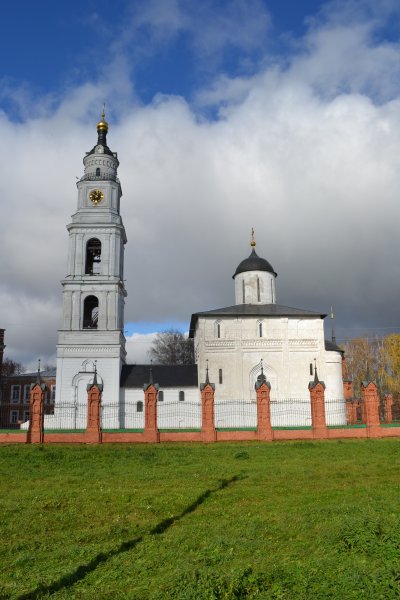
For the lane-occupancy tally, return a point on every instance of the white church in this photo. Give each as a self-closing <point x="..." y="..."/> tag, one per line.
<point x="233" y="343"/>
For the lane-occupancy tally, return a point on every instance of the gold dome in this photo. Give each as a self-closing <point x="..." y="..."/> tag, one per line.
<point x="102" y="125"/>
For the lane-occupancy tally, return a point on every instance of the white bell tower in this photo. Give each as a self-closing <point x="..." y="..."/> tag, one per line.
<point x="93" y="289"/>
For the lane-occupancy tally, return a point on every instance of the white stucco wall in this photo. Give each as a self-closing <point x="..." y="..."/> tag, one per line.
<point x="255" y="287"/>
<point x="287" y="347"/>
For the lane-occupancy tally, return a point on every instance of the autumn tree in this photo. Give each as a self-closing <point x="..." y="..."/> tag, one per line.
<point x="172" y="347"/>
<point x="389" y="368"/>
<point x="362" y="358"/>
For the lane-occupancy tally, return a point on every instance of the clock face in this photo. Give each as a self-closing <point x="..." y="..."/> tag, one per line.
<point x="96" y="196"/>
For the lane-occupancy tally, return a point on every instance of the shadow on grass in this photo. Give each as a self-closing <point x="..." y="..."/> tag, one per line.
<point x="80" y="573"/>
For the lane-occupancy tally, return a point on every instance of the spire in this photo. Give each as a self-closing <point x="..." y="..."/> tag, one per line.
<point x="261" y="378"/>
<point x="95" y="373"/>
<point x="207" y="378"/>
<point x="102" y="128"/>
<point x="316" y="378"/>
<point x="333" y="326"/>
<point x="38" y="373"/>
<point x="253" y="241"/>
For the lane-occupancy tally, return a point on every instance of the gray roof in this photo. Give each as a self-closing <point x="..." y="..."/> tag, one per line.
<point x="332" y="347"/>
<point x="133" y="376"/>
<point x="254" y="310"/>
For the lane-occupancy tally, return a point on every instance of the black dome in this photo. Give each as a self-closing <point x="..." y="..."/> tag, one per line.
<point x="254" y="263"/>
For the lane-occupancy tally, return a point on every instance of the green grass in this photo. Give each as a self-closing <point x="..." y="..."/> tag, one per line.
<point x="296" y="520"/>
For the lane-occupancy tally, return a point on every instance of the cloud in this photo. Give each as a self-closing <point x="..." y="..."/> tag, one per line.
<point x="306" y="150"/>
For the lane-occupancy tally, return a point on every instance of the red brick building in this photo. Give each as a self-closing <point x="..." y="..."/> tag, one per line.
<point x="14" y="398"/>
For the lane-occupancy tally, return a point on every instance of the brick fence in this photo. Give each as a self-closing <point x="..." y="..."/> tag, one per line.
<point x="371" y="426"/>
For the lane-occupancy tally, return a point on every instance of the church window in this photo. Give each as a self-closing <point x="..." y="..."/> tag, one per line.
<point x="98" y="172"/>
<point x="161" y="396"/>
<point x="220" y="375"/>
<point x="243" y="292"/>
<point x="258" y="291"/>
<point x="260" y="329"/>
<point x="218" y="329"/>
<point x="139" y="406"/>
<point x="181" y="396"/>
<point x="93" y="257"/>
<point x="90" y="312"/>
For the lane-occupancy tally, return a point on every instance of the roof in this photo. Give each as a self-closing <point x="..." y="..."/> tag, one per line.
<point x="32" y="375"/>
<point x="332" y="347"/>
<point x="164" y="375"/>
<point x="254" y="310"/>
<point x="254" y="263"/>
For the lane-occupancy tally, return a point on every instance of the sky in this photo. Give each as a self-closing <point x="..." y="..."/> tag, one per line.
<point x="226" y="115"/>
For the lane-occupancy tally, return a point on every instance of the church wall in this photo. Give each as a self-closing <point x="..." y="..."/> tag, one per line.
<point x="287" y="347"/>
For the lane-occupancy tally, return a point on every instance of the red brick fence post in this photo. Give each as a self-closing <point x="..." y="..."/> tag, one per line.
<point x="36" y="412"/>
<point x="93" y="427"/>
<point x="370" y="403"/>
<point x="151" y="432"/>
<point x="263" y="388"/>
<point x="207" y="389"/>
<point x="317" y="396"/>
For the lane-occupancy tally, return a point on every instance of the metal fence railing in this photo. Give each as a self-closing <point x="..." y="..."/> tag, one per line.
<point x="67" y="416"/>
<point x="291" y="412"/>
<point x="179" y="414"/>
<point x="125" y="415"/>
<point x="235" y="414"/>
<point x="335" y="412"/>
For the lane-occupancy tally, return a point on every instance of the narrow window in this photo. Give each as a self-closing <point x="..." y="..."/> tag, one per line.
<point x="27" y="391"/>
<point x="258" y="290"/>
<point x="243" y="294"/>
<point x="161" y="396"/>
<point x="272" y="292"/>
<point x="90" y="312"/>
<point x="14" y="417"/>
<point x="53" y="393"/>
<point x="260" y="329"/>
<point x="98" y="172"/>
<point x="15" y="393"/>
<point x="220" y="375"/>
<point x="181" y="396"/>
<point x="218" y="330"/>
<point x="93" y="257"/>
<point x="139" y="406"/>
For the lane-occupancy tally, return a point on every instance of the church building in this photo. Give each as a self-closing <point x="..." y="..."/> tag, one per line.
<point x="233" y="344"/>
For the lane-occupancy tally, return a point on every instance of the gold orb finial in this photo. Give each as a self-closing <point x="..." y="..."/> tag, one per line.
<point x="102" y="125"/>
<point x="253" y="242"/>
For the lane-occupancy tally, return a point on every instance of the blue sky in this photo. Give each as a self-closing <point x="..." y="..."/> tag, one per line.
<point x="51" y="46"/>
<point x="278" y="115"/>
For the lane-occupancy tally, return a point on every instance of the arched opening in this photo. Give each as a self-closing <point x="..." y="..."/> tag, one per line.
<point x="93" y="257"/>
<point x="161" y="396"/>
<point x="220" y="376"/>
<point x="217" y="329"/>
<point x="90" y="312"/>
<point x="98" y="172"/>
<point x="181" y="396"/>
<point x="139" y="406"/>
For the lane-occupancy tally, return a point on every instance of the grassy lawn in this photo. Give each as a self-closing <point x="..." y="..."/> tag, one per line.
<point x="295" y="520"/>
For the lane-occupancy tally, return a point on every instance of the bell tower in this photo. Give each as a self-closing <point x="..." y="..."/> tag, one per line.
<point x="93" y="289"/>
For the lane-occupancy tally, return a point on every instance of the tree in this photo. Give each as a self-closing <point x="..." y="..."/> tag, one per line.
<point x="389" y="371"/>
<point x="172" y="347"/>
<point x="362" y="358"/>
<point x="11" y="367"/>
